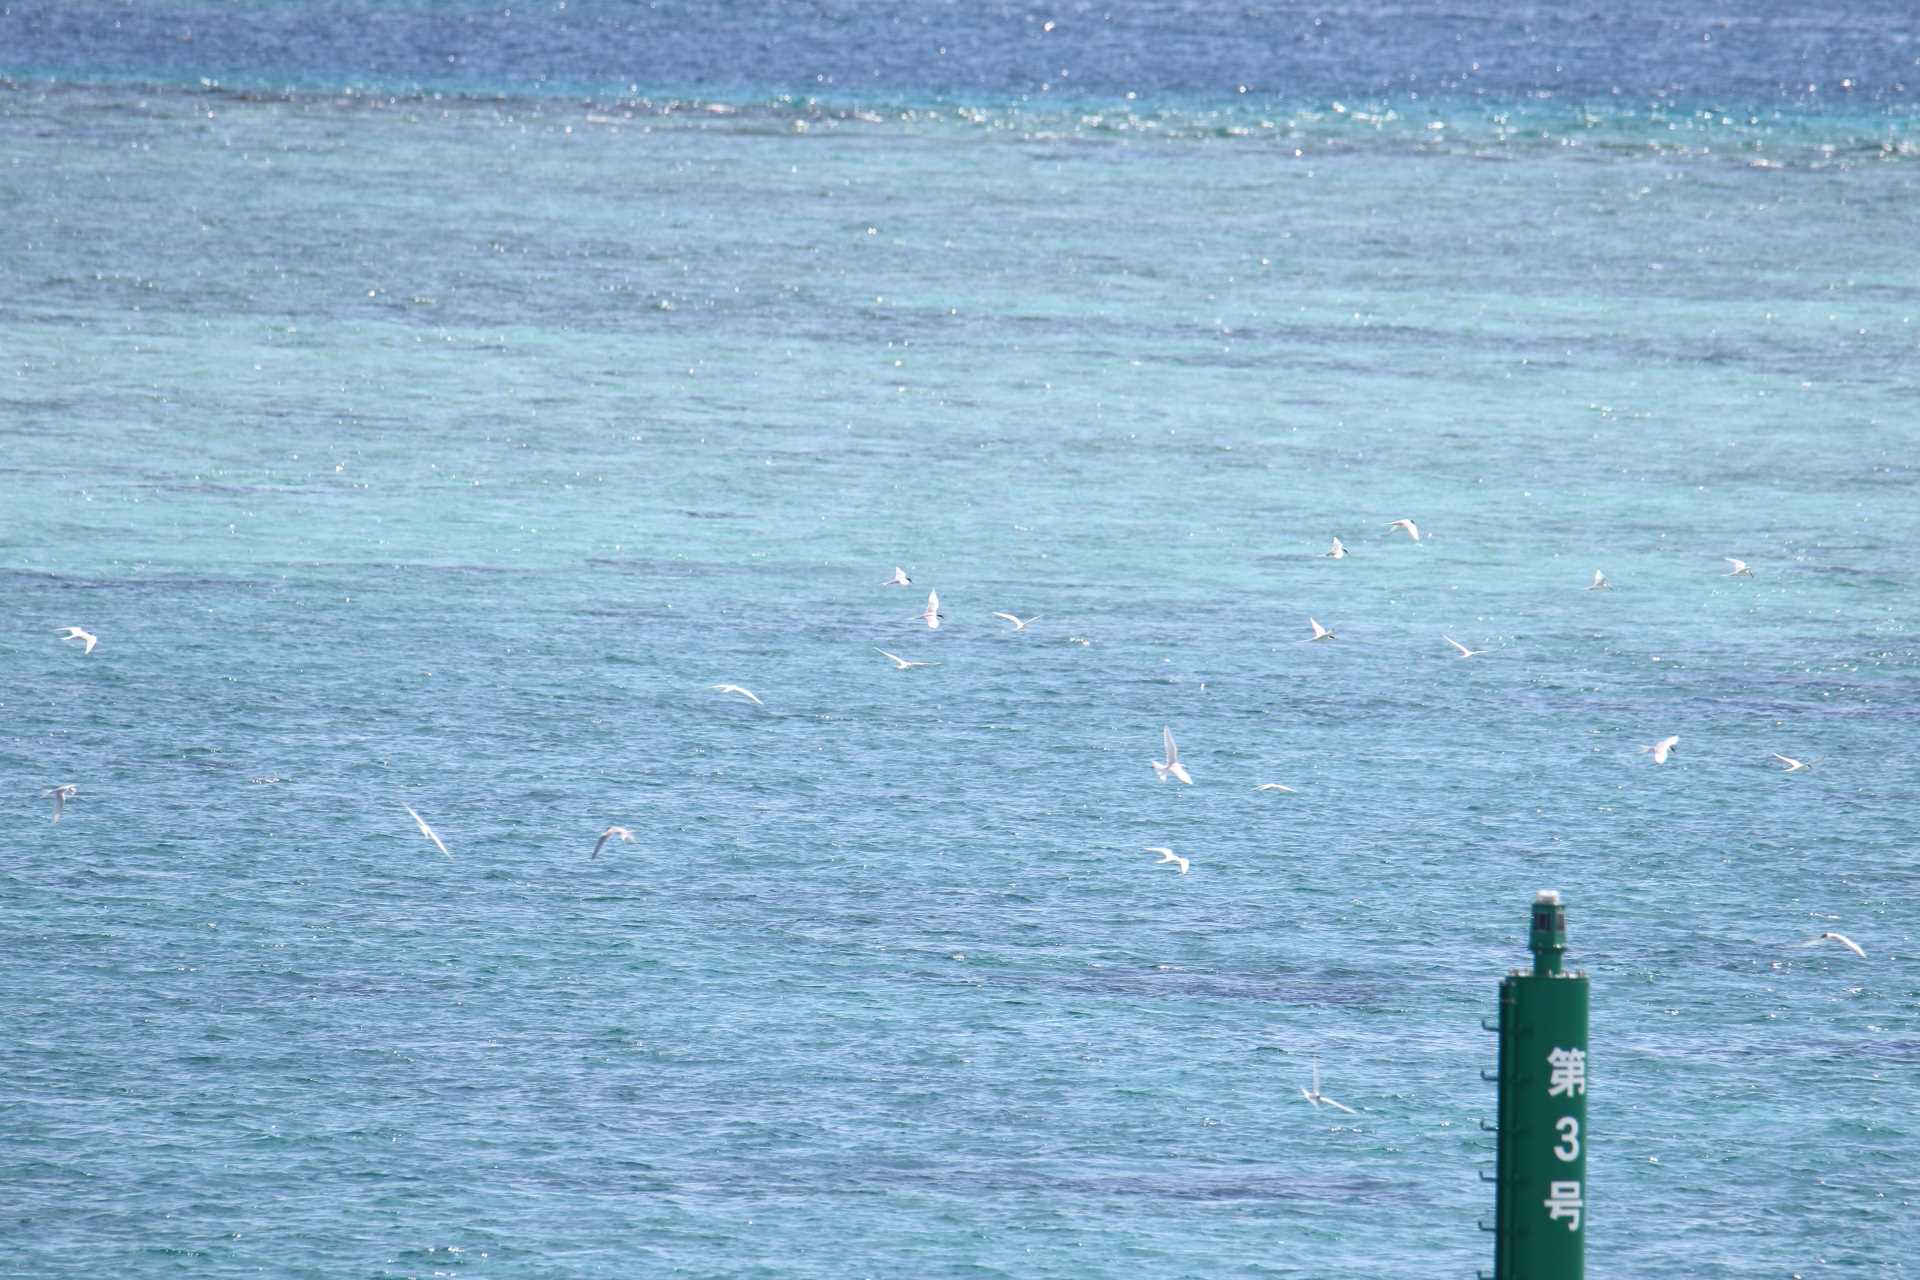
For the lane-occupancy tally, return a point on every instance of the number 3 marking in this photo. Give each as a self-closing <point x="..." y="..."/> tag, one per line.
<point x="1568" y="1148"/>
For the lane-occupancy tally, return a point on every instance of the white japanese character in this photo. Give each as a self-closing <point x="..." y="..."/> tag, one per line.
<point x="1569" y="1072"/>
<point x="1563" y="1201"/>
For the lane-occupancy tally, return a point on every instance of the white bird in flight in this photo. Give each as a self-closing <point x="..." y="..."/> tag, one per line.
<point x="1794" y="765"/>
<point x="1319" y="632"/>
<point x="1840" y="938"/>
<point x="899" y="578"/>
<point x="1273" y="786"/>
<point x="1739" y="568"/>
<point x="77" y="633"/>
<point x="931" y="614"/>
<point x="626" y="837"/>
<point x="1318" y="1098"/>
<point x="734" y="688"/>
<point x="1017" y="624"/>
<point x="61" y="795"/>
<point x="1600" y="582"/>
<point x="1168" y="855"/>
<point x="1663" y="748"/>
<point x="1464" y="651"/>
<point x="900" y="663"/>
<point x="1339" y="551"/>
<point x="1171" y="765"/>
<point x="426" y="830"/>
<point x="1413" y="530"/>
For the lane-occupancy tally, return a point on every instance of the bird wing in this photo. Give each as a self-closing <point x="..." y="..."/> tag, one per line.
<point x="1183" y="865"/>
<point x="1668" y="744"/>
<point x="1464" y="651"/>
<point x="1340" y="1106"/>
<point x="1318" y="630"/>
<point x="1789" y="761"/>
<point x="1009" y="617"/>
<point x="1309" y="1097"/>
<point x="59" y="795"/>
<point x="1848" y="943"/>
<point x="602" y="840"/>
<point x="426" y="830"/>
<point x="92" y="640"/>
<point x="1179" y="771"/>
<point x="897" y="660"/>
<point x="1166" y="744"/>
<point x="1162" y="850"/>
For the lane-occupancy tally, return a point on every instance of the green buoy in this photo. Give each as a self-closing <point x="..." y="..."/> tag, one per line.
<point x="1540" y="1182"/>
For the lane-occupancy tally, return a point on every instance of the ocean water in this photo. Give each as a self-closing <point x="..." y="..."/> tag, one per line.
<point x="426" y="404"/>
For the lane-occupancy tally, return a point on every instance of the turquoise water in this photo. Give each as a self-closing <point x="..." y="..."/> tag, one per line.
<point x="413" y="443"/>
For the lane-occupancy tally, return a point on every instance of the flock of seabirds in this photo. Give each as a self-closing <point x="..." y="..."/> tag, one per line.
<point x="1169" y="767"/>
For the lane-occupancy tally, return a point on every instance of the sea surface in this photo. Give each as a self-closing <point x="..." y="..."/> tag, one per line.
<point x="426" y="404"/>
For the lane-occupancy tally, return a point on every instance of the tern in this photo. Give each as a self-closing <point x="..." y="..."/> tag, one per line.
<point x="1794" y="765"/>
<point x="61" y="795"/>
<point x="1339" y="551"/>
<point x="1171" y="765"/>
<point x="1600" y="582"/>
<point x="900" y="663"/>
<point x="734" y="688"/>
<point x="1319" y="632"/>
<point x="1318" y="1098"/>
<point x="626" y="837"/>
<point x="1273" y="786"/>
<point x="426" y="830"/>
<point x="1168" y="855"/>
<point x="1464" y="651"/>
<point x="932" y="613"/>
<point x="1739" y="568"/>
<point x="77" y="633"/>
<point x="1413" y="530"/>
<point x="1840" y="938"/>
<point x="1017" y="624"/>
<point x="1663" y="748"/>
<point x="899" y="578"/>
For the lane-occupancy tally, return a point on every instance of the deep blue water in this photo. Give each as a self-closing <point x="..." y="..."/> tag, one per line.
<point x="426" y="405"/>
<point x="1761" y="54"/>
